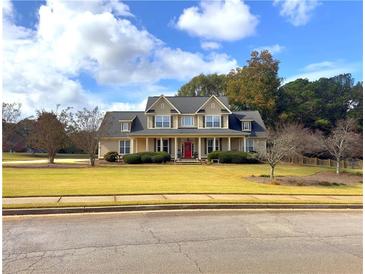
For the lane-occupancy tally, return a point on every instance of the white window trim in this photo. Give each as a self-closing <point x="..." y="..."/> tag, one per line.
<point x="253" y="144"/>
<point x="246" y="123"/>
<point x="119" y="147"/>
<point x="168" y="144"/>
<point x="193" y="119"/>
<point x="162" y="121"/>
<point x="121" y="126"/>
<point x="220" y="121"/>
<point x="217" y="144"/>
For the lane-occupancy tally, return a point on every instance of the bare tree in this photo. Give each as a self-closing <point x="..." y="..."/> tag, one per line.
<point x="342" y="141"/>
<point x="11" y="112"/>
<point x="85" y="135"/>
<point x="285" y="141"/>
<point x="48" y="133"/>
<point x="10" y="116"/>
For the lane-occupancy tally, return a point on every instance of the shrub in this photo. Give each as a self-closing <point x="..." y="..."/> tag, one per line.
<point x="161" y="157"/>
<point x="235" y="157"/>
<point x="214" y="155"/>
<point x="147" y="157"/>
<point x="111" y="156"/>
<point x="132" y="158"/>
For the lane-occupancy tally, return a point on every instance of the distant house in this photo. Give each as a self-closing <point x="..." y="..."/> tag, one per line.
<point x="185" y="127"/>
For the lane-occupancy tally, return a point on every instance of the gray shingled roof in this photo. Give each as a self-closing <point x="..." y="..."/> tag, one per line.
<point x="186" y="104"/>
<point x="111" y="127"/>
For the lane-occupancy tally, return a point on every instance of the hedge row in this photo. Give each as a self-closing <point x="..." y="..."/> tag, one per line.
<point x="147" y="157"/>
<point x="234" y="157"/>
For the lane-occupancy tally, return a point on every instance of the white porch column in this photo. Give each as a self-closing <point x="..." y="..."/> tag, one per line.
<point x="199" y="148"/>
<point x="161" y="144"/>
<point x="229" y="143"/>
<point x="132" y="146"/>
<point x="147" y="146"/>
<point x="244" y="144"/>
<point x="136" y="146"/>
<point x="214" y="144"/>
<point x="99" y="152"/>
<point x="175" y="145"/>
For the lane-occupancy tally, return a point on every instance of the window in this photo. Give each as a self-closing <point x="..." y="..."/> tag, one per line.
<point x="249" y="145"/>
<point x="165" y="145"/>
<point x="247" y="126"/>
<point x="125" y="126"/>
<point x="162" y="121"/>
<point x="210" y="143"/>
<point x="187" y="121"/>
<point x="124" y="147"/>
<point x="213" y="121"/>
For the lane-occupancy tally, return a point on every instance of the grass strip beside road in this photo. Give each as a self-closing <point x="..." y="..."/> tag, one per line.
<point x="162" y="202"/>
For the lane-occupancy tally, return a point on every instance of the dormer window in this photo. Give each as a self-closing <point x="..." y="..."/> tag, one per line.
<point x="162" y="121"/>
<point x="125" y="126"/>
<point x="246" y="126"/>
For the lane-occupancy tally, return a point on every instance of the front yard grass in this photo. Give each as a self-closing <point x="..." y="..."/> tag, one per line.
<point x="144" y="179"/>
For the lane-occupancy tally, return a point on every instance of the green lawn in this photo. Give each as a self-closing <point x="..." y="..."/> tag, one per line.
<point x="157" y="179"/>
<point x="38" y="156"/>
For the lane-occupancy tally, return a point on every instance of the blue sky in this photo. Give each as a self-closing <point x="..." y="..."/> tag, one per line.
<point x="115" y="54"/>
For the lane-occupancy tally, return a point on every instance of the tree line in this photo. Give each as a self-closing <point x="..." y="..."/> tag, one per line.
<point x="52" y="131"/>
<point x="317" y="105"/>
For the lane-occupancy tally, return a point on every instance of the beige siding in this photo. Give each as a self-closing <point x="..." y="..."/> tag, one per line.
<point x="235" y="144"/>
<point x="140" y="145"/>
<point x="200" y="121"/>
<point x="175" y="121"/>
<point x="225" y="120"/>
<point x="224" y="144"/>
<point x="162" y="107"/>
<point x="107" y="146"/>
<point x="212" y="107"/>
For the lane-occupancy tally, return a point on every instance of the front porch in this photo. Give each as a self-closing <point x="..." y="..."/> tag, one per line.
<point x="188" y="147"/>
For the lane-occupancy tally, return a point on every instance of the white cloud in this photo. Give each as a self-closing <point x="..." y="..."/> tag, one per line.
<point x="42" y="66"/>
<point x="228" y="20"/>
<point x="208" y="45"/>
<point x="318" y="70"/>
<point x="121" y="106"/>
<point x="273" y="48"/>
<point x="297" y="11"/>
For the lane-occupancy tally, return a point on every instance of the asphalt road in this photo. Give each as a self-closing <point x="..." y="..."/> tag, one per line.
<point x="185" y="242"/>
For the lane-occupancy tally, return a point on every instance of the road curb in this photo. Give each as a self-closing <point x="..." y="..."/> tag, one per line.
<point x="67" y="210"/>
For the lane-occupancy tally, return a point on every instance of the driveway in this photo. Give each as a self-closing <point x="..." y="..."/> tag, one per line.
<point x="256" y="241"/>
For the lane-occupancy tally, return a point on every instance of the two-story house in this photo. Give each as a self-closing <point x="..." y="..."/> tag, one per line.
<point x="185" y="127"/>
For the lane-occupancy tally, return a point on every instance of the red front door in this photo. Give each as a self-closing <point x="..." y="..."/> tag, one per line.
<point x="187" y="150"/>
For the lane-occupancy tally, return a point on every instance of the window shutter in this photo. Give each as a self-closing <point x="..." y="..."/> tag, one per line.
<point x="153" y="121"/>
<point x="172" y="121"/>
<point x="205" y="146"/>
<point x="203" y="121"/>
<point x="154" y="145"/>
<point x="222" y="121"/>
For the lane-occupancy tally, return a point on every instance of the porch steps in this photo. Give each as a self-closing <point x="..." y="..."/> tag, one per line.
<point x="188" y="162"/>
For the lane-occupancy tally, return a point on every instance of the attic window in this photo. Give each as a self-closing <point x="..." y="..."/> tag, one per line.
<point x="162" y="105"/>
<point x="125" y="126"/>
<point x="246" y="126"/>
